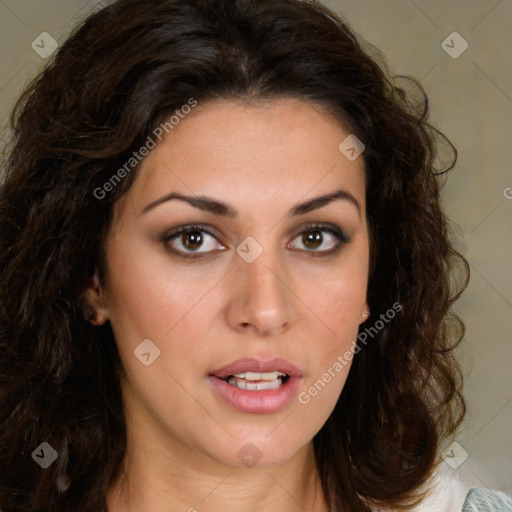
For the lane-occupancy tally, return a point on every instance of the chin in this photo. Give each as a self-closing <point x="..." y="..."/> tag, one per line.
<point x="262" y="449"/>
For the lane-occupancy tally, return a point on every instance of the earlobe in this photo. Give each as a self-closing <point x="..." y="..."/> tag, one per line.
<point x="365" y="313"/>
<point x="94" y="309"/>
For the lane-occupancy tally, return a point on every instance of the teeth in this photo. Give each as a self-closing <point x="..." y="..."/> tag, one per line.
<point x="241" y="383"/>
<point x="259" y="376"/>
<point x="254" y="381"/>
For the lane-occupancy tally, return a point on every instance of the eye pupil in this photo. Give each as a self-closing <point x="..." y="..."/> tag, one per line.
<point x="195" y="237"/>
<point x="312" y="237"/>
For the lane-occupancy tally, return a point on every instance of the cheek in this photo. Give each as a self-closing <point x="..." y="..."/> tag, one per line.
<point x="339" y="297"/>
<point x="332" y="354"/>
<point x="339" y="300"/>
<point x="148" y="296"/>
<point x="149" y="299"/>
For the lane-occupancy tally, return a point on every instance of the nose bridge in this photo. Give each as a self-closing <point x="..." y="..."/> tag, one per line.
<point x="262" y="298"/>
<point x="262" y="275"/>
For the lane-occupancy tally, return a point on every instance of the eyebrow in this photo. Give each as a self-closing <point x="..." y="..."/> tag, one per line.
<point x="211" y="205"/>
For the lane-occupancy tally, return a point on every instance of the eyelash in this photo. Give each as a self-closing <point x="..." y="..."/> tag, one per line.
<point x="342" y="239"/>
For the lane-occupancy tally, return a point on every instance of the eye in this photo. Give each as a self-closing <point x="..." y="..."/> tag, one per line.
<point x="191" y="239"/>
<point x="195" y="241"/>
<point x="313" y="239"/>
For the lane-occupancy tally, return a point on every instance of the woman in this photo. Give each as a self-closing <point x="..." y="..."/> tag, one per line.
<point x="220" y="224"/>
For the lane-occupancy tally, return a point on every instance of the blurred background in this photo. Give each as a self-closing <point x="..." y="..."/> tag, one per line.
<point x="460" y="51"/>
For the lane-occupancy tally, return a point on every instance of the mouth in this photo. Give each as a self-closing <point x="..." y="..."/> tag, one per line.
<point x="252" y="385"/>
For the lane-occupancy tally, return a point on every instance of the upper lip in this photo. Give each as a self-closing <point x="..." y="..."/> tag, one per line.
<point x="257" y="366"/>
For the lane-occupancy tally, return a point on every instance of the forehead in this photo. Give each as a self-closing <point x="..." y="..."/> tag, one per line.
<point x="276" y="150"/>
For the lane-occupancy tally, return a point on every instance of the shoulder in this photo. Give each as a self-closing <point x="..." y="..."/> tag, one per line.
<point x="450" y="490"/>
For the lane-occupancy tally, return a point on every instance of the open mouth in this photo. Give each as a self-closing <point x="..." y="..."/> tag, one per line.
<point x="252" y="381"/>
<point x="251" y="385"/>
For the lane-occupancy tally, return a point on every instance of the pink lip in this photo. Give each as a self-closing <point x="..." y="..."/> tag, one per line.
<point x="264" y="401"/>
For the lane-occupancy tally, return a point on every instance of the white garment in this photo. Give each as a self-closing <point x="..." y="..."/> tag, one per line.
<point x="449" y="487"/>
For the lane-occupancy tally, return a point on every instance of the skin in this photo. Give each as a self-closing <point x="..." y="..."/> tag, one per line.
<point x="203" y="313"/>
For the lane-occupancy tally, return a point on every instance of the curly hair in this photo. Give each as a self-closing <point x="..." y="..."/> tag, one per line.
<point x="120" y="73"/>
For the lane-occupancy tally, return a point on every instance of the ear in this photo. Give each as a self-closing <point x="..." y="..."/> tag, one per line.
<point x="365" y="313"/>
<point x="94" y="308"/>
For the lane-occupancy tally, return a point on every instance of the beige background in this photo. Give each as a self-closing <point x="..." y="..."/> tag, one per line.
<point x="471" y="101"/>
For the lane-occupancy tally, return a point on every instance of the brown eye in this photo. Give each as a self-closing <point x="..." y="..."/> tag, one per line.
<point x="313" y="238"/>
<point x="191" y="242"/>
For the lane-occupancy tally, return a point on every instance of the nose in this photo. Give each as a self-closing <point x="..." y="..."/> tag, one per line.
<point x="261" y="300"/>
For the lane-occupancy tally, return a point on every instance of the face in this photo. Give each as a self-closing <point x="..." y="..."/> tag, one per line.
<point x="253" y="276"/>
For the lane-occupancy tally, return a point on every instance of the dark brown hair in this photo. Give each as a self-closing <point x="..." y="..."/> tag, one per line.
<point x="103" y="93"/>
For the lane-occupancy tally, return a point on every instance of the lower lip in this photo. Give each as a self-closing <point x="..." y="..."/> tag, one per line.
<point x="261" y="402"/>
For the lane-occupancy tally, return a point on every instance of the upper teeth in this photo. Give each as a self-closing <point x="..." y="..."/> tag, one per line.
<point x="259" y="376"/>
